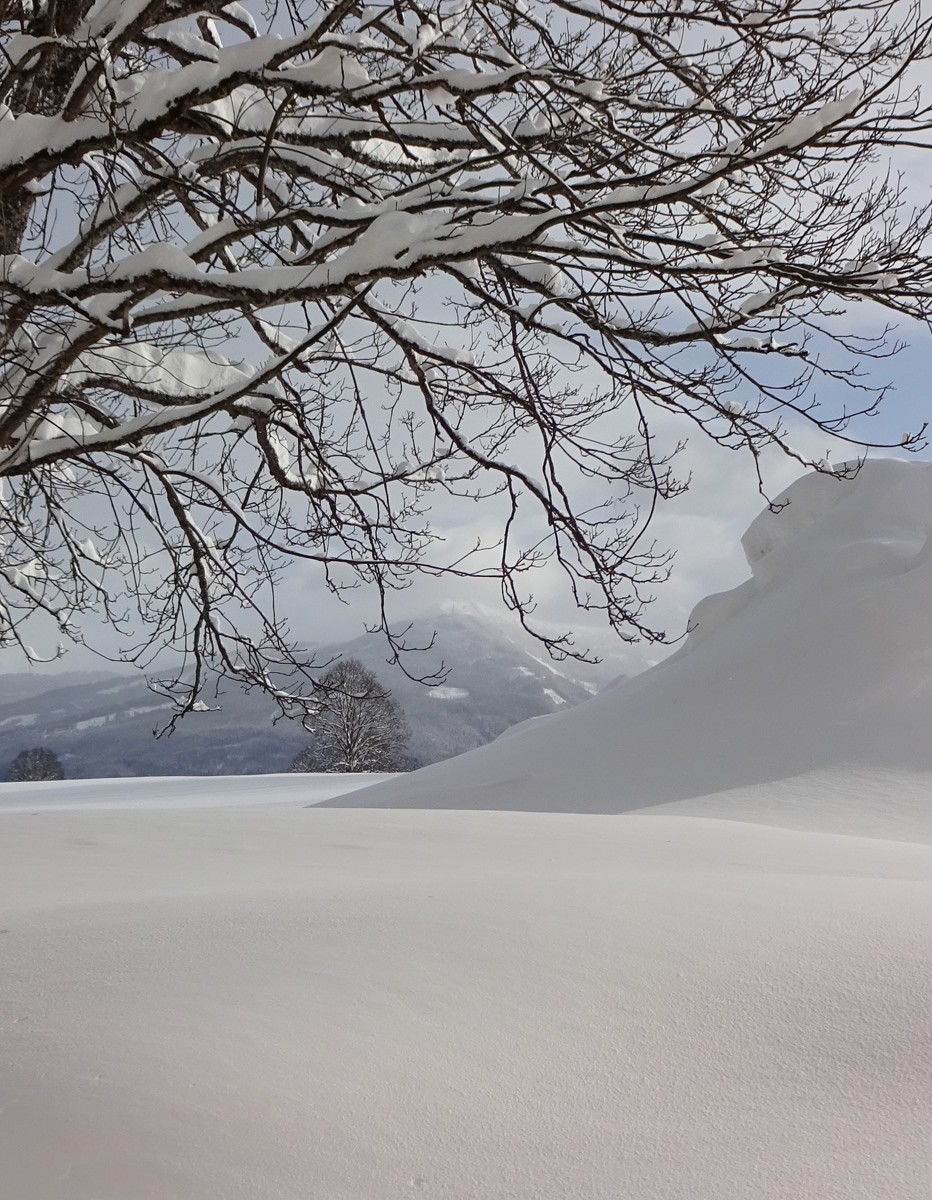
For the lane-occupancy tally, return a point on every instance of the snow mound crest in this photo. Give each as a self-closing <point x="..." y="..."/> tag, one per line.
<point x="830" y="526"/>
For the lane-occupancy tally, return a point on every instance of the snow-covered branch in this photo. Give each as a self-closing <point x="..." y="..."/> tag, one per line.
<point x="273" y="275"/>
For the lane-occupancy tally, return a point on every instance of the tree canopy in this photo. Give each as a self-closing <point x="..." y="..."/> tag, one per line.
<point x="35" y="765"/>
<point x="356" y="724"/>
<point x="276" y="275"/>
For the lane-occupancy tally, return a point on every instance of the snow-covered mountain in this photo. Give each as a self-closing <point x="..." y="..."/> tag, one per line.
<point x="101" y="725"/>
<point x="819" y="664"/>
<point x="494" y="681"/>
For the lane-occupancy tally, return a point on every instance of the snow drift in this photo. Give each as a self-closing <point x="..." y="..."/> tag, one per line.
<point x="818" y="667"/>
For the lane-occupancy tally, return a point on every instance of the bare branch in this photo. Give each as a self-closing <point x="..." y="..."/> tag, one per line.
<point x="277" y="279"/>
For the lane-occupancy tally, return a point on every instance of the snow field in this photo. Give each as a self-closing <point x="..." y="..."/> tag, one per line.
<point x="354" y="1005"/>
<point x="174" y="791"/>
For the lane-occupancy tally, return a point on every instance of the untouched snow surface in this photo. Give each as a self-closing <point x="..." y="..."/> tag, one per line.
<point x="174" y="791"/>
<point x="314" y="1004"/>
<point x="813" y="676"/>
<point x="212" y="988"/>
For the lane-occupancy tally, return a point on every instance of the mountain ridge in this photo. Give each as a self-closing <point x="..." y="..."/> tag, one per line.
<point x="102" y="725"/>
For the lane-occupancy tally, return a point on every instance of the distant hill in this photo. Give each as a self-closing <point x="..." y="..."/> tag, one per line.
<point x="102" y="725"/>
<point x="494" y="681"/>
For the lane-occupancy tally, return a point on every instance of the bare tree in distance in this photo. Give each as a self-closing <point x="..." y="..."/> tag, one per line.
<point x="356" y="724"/>
<point x="275" y="276"/>
<point x="35" y="765"/>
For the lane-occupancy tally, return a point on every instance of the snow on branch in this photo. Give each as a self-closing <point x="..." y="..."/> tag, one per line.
<point x="275" y="277"/>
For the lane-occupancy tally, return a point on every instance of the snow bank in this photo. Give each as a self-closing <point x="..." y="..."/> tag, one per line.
<point x="818" y="667"/>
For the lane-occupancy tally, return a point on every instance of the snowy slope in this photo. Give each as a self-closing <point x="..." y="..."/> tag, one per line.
<point x="817" y="670"/>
